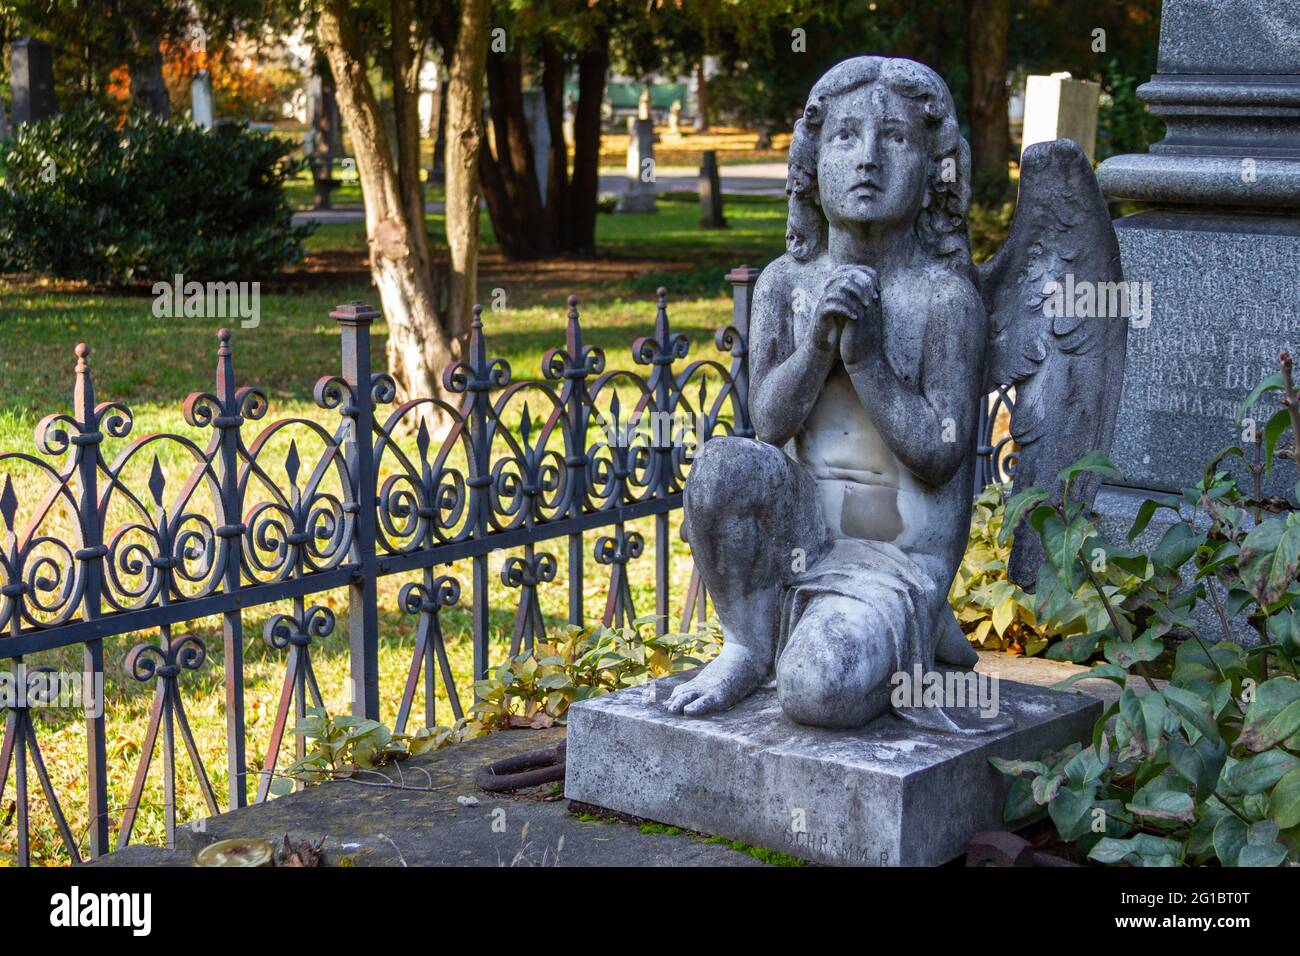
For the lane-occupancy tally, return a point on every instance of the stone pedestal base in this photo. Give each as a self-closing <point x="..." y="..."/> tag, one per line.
<point x="890" y="794"/>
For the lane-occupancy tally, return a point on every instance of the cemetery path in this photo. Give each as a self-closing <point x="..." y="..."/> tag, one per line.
<point x="750" y="179"/>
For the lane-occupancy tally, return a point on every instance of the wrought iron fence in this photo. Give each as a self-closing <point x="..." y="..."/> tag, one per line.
<point x="256" y="521"/>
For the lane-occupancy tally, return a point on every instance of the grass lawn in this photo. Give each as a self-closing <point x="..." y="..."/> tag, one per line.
<point x="153" y="363"/>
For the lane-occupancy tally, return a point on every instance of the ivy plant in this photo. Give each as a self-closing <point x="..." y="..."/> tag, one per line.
<point x="1205" y="767"/>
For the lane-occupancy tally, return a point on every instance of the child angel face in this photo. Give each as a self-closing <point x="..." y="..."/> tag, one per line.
<point x="871" y="162"/>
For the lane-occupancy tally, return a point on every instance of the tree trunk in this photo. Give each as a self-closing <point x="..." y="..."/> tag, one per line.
<point x="508" y="171"/>
<point x="407" y="58"/>
<point x="592" y="67"/>
<point x="418" y="344"/>
<point x="558" y="222"/>
<point x="464" y="140"/>
<point x="701" y="99"/>
<point x="988" y="24"/>
<point x="148" y="90"/>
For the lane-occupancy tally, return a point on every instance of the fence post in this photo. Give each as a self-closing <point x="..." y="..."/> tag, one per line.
<point x="742" y="279"/>
<point x="231" y="531"/>
<point x="91" y="555"/>
<point x="354" y="321"/>
<point x="480" y="481"/>
<point x="582" y="361"/>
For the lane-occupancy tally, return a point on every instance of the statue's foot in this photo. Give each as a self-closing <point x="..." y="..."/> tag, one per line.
<point x="724" y="682"/>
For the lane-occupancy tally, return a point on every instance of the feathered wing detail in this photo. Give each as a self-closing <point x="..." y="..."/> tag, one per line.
<point x="1061" y="259"/>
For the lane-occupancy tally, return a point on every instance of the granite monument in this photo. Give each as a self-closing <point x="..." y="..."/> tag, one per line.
<point x="1213" y="249"/>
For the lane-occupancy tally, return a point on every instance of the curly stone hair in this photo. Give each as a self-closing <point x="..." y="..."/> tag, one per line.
<point x="941" y="226"/>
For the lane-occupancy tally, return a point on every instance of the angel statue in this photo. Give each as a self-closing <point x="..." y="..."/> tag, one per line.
<point x="830" y="543"/>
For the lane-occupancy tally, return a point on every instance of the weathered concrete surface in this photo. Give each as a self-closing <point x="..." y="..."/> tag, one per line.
<point x="1041" y="672"/>
<point x="383" y="826"/>
<point x="887" y="794"/>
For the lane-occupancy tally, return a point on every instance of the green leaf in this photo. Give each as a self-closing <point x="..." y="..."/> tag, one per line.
<point x="1144" y="715"/>
<point x="1018" y="768"/>
<point x="1195" y="711"/>
<point x="1273" y="383"/>
<point x="1047" y="787"/>
<point x="1020" y="804"/>
<point x="1284" y="803"/>
<point x="1200" y="763"/>
<point x="1265" y="854"/>
<point x="1229" y="839"/>
<point x="1098" y="671"/>
<point x="1259" y="772"/>
<point x="1076" y="649"/>
<point x="1273" y="716"/>
<point x="1127" y="653"/>
<point x="1270" y="557"/>
<point x="1016" y="508"/>
<point x="1069" y="811"/>
<point x="1143" y="849"/>
<point x="1262" y="847"/>
<point x="1147" y="510"/>
<point x="1275" y="429"/>
<point x="1176" y="547"/>
<point x="1062" y="541"/>
<point x="1094" y="462"/>
<point x="1168" y="805"/>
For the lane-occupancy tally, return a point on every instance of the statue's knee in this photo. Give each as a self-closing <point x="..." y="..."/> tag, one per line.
<point x="816" y="697"/>
<point x="827" y="677"/>
<point x="722" y="477"/>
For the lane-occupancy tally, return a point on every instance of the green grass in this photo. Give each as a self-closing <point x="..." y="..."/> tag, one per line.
<point x="152" y="364"/>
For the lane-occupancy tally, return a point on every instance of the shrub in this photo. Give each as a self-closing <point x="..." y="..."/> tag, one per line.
<point x="87" y="198"/>
<point x="1124" y="124"/>
<point x="1208" y="767"/>
<point x="992" y="609"/>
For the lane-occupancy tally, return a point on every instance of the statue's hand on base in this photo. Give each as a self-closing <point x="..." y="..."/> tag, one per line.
<point x="725" y="681"/>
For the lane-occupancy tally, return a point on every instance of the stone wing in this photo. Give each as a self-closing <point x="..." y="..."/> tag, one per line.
<point x="1058" y="315"/>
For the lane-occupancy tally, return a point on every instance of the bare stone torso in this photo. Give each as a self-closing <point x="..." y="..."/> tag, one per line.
<point x="864" y="490"/>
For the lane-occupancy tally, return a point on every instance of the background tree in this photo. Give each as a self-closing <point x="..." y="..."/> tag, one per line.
<point x="542" y="45"/>
<point x="990" y="130"/>
<point x="421" y="338"/>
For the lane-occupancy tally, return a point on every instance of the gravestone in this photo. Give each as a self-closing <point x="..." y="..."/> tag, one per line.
<point x="201" y="106"/>
<point x="323" y="114"/>
<point x="841" y="720"/>
<point x="710" y="193"/>
<point x="640" y="193"/>
<point x="323" y="142"/>
<point x="1215" y="247"/>
<point x="1060" y="107"/>
<point x="539" y="134"/>
<point x="31" y="80"/>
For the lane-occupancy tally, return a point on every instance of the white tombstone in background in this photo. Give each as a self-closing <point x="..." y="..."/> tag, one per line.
<point x="640" y="194"/>
<point x="1061" y="107"/>
<point x="201" y="105"/>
